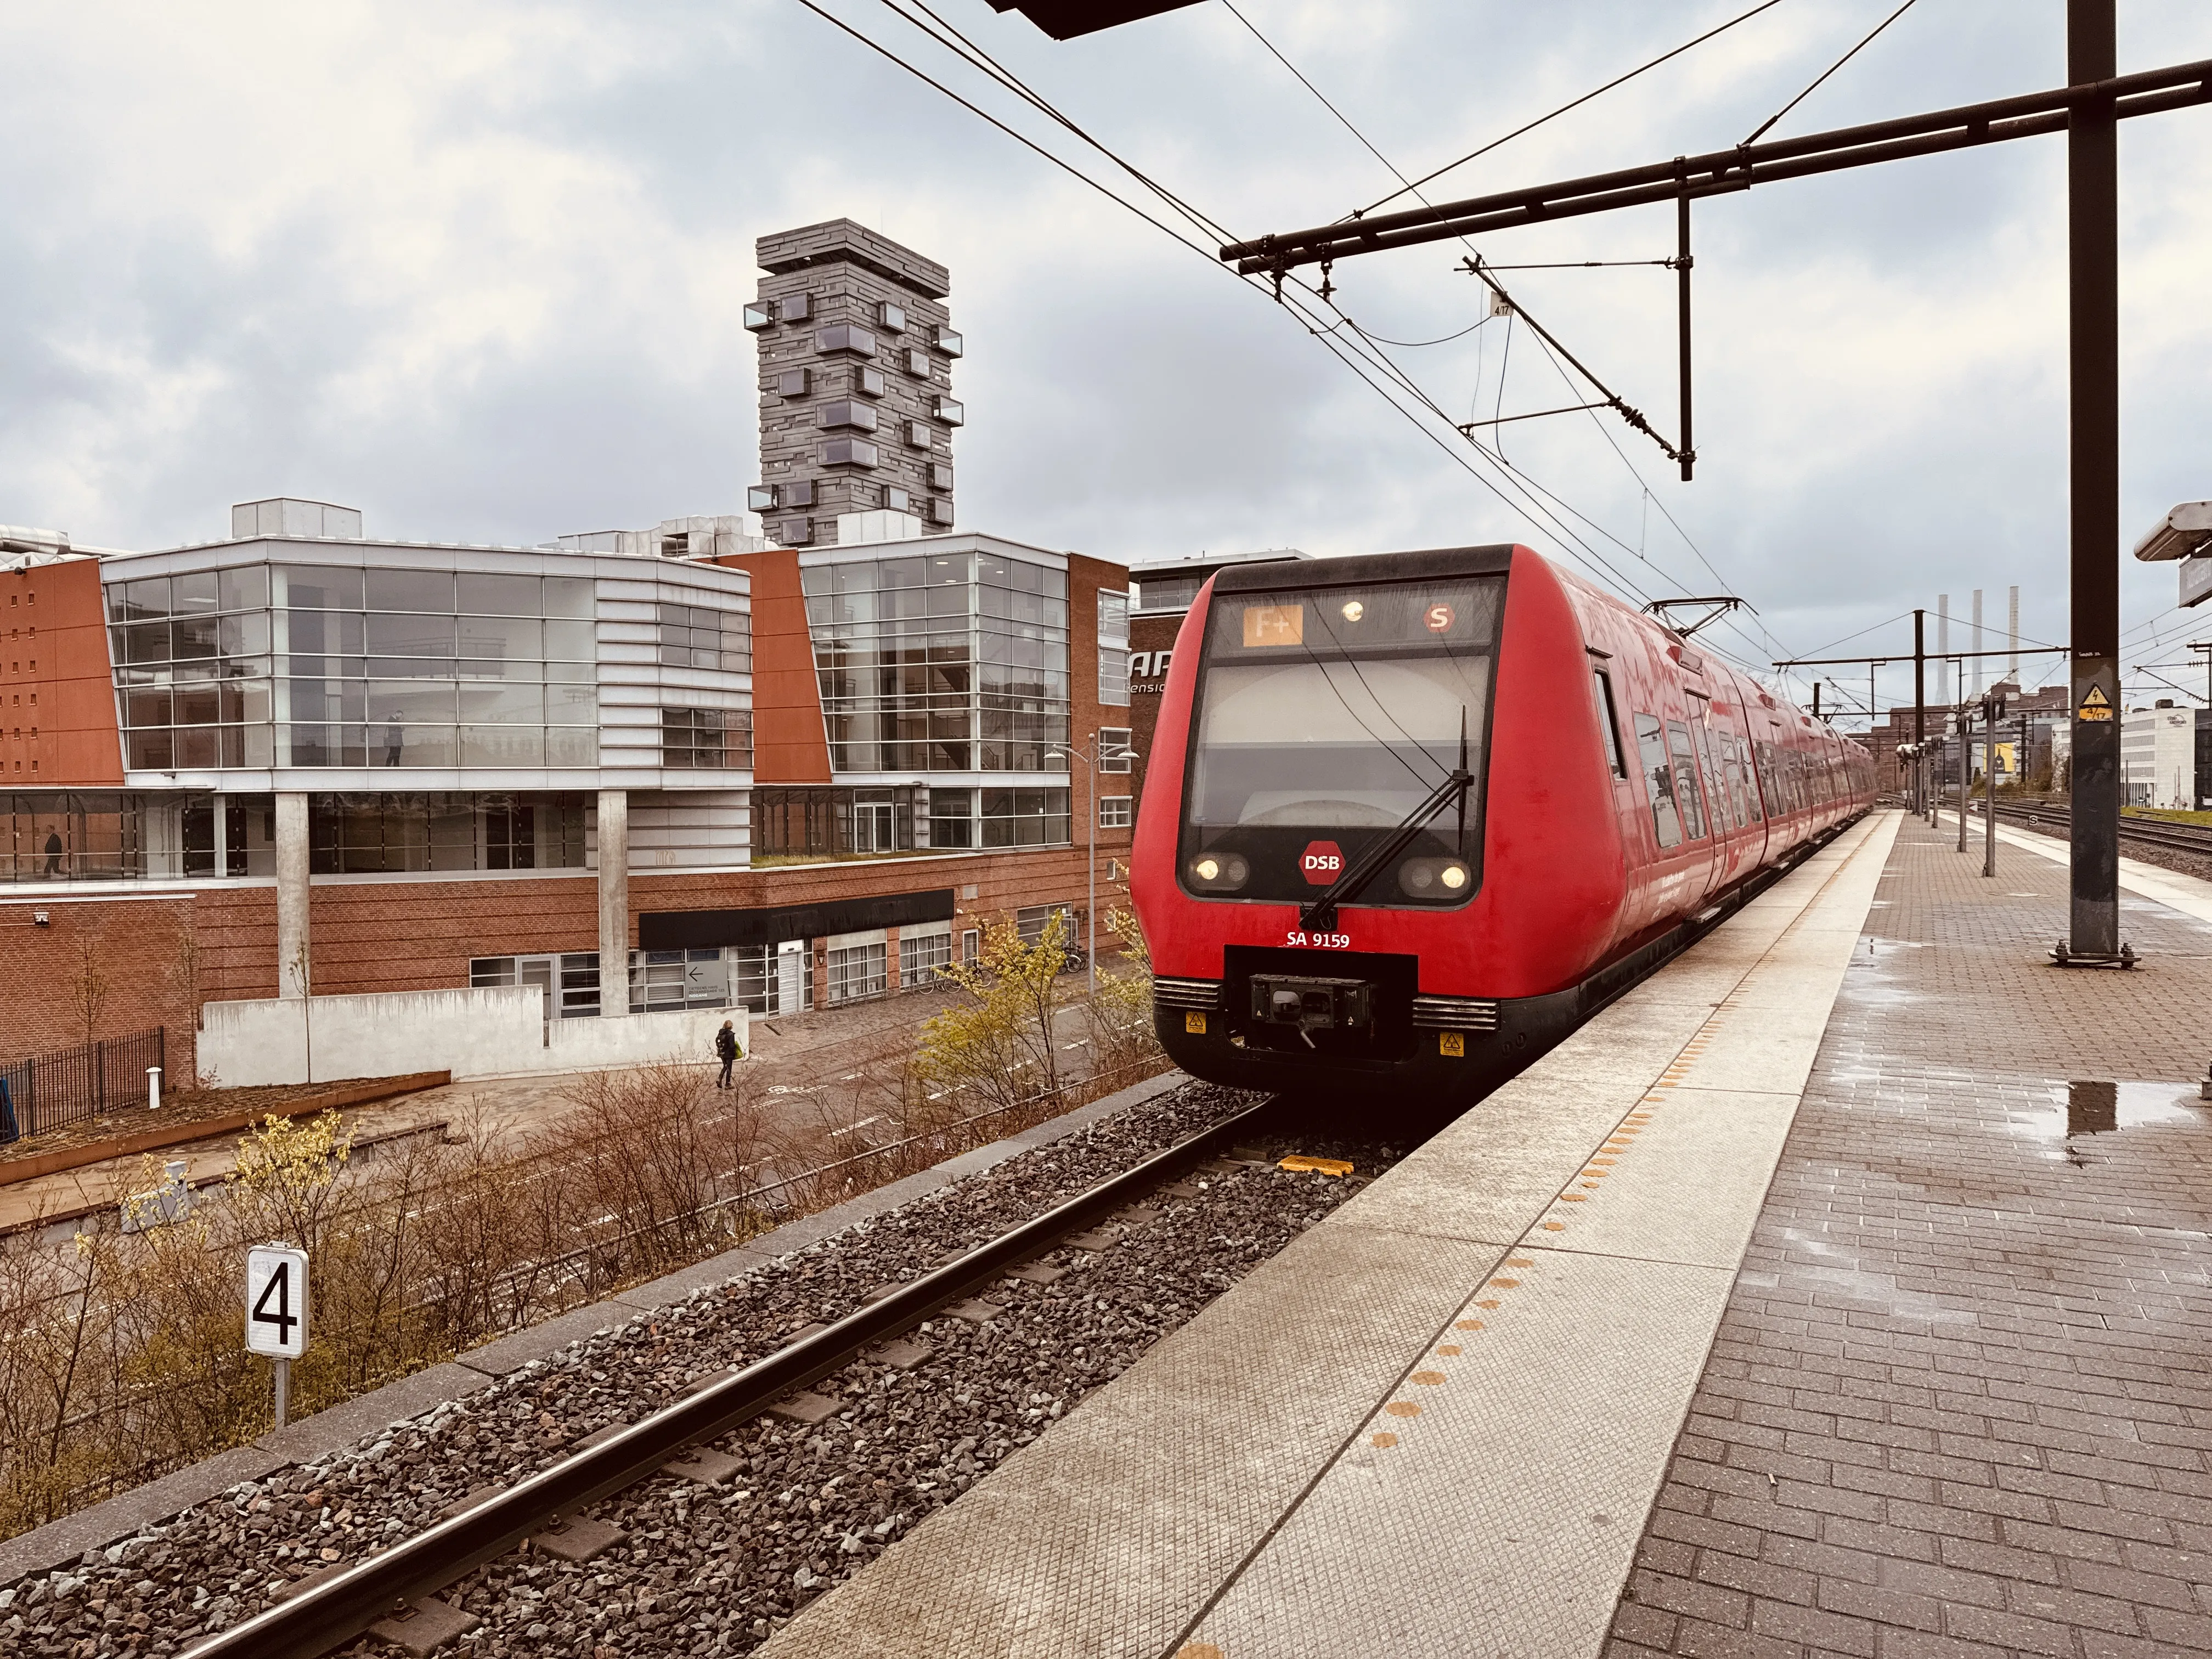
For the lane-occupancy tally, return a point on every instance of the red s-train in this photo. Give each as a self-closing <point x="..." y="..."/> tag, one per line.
<point x="1410" y="817"/>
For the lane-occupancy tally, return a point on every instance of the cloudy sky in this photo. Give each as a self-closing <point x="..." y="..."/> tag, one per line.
<point x="477" y="268"/>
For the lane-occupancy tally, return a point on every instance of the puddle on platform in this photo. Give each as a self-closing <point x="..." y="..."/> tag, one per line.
<point x="1867" y="978"/>
<point x="2084" y="1109"/>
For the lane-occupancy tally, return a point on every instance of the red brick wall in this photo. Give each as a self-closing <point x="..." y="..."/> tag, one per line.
<point x="1150" y="634"/>
<point x="57" y="698"/>
<point x="370" y="936"/>
<point x="1085" y="577"/>
<point x="137" y="946"/>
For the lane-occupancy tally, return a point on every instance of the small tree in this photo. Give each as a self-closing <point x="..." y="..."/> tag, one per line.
<point x="287" y="1168"/>
<point x="88" y="988"/>
<point x="998" y="1044"/>
<point x="1120" y="1011"/>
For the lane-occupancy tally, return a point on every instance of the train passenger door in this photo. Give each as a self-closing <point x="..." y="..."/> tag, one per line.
<point x="1703" y="817"/>
<point x="1718" y="806"/>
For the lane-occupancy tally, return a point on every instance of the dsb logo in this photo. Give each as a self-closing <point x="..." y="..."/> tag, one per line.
<point x="1321" y="863"/>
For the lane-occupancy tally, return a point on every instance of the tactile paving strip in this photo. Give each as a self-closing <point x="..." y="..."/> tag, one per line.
<point x="1491" y="1505"/>
<point x="1222" y="1478"/>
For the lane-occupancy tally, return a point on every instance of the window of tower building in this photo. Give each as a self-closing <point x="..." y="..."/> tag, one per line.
<point x="1025" y="818"/>
<point x="73" y="835"/>
<point x="696" y="636"/>
<point x="1113" y="648"/>
<point x="391" y="833"/>
<point x="332" y="665"/>
<point x="952" y="662"/>
<point x="691" y="738"/>
<point x="818" y="822"/>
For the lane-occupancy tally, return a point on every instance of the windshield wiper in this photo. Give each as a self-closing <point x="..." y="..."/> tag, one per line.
<point x="1322" y="913"/>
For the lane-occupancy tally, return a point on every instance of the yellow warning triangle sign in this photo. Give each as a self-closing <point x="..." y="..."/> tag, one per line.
<point x="2096" y="699"/>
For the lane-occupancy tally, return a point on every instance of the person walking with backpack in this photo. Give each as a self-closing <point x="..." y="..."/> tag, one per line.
<point x="727" y="1050"/>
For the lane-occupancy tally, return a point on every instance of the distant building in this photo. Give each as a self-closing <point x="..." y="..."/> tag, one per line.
<point x="2024" y="737"/>
<point x="856" y="412"/>
<point x="300" y="759"/>
<point x="2158" y="757"/>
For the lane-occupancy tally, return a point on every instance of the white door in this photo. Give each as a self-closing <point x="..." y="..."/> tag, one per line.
<point x="790" y="958"/>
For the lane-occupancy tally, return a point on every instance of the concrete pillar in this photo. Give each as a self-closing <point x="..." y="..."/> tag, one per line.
<point x="293" y="964"/>
<point x="614" y="901"/>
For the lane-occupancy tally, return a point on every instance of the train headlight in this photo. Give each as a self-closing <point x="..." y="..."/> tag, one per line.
<point x="1353" y="611"/>
<point x="1220" y="873"/>
<point x="1434" y="878"/>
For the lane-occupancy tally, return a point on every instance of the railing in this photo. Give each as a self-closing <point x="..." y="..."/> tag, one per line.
<point x="47" y="1091"/>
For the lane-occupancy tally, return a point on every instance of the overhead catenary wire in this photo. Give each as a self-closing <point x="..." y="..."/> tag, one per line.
<point x="1552" y="346"/>
<point x="1475" y="262"/>
<point x="1619" y="80"/>
<point x="1761" y="131"/>
<point x="976" y="58"/>
<point x="1370" y="364"/>
<point x="1230" y="7"/>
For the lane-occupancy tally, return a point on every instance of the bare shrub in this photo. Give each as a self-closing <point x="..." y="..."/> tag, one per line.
<point x="121" y="1355"/>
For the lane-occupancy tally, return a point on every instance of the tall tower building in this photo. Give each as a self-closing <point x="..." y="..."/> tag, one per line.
<point x="856" y="353"/>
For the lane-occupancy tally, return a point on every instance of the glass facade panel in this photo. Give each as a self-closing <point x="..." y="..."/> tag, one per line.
<point x="391" y="833"/>
<point x="696" y="636"/>
<point x="941" y="663"/>
<point x="823" y="822"/>
<point x="716" y="738"/>
<point x="73" y="835"/>
<point x="313" y="666"/>
<point x="858" y="972"/>
<point x="1025" y="818"/>
<point x="919" y="958"/>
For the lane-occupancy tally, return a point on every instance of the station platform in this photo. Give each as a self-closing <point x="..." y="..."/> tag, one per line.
<point x="1841" y="1290"/>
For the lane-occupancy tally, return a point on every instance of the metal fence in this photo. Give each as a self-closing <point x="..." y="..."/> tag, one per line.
<point x="48" y="1090"/>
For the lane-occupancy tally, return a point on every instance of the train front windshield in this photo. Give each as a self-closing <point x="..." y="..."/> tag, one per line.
<point x="1326" y="717"/>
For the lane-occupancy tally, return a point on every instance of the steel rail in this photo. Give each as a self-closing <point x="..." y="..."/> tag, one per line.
<point x="1723" y="171"/>
<point x="2181" y="837"/>
<point x="343" y="1606"/>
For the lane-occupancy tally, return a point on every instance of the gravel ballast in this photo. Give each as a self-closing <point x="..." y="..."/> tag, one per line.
<point x="714" y="1568"/>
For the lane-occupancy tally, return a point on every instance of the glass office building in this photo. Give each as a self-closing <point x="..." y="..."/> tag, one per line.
<point x="943" y="665"/>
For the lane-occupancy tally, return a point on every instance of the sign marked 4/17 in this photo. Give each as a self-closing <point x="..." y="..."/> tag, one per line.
<point x="276" y="1302"/>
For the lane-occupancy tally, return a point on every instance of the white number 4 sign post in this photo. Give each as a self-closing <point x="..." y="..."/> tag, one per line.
<point x="276" y="1311"/>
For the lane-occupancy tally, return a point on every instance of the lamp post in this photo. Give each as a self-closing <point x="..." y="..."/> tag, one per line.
<point x="1091" y="764"/>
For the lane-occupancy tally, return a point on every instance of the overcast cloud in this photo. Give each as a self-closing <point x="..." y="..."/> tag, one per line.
<point x="478" y="269"/>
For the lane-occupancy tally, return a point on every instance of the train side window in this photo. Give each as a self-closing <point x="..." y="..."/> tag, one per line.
<point x="1602" y="685"/>
<point x="1652" y="749"/>
<point x="1769" y="788"/>
<point x="1686" y="780"/>
<point x="1710" y="748"/>
<point x="1732" y="772"/>
<point x="1750" y="779"/>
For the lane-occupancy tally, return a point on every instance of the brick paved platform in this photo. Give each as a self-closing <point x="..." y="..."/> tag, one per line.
<point x="1960" y="1401"/>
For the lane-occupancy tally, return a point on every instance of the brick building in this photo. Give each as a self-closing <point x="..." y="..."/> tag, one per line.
<point x="298" y="762"/>
<point x="1161" y="593"/>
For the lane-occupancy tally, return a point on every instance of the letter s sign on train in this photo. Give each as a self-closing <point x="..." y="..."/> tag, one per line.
<point x="1321" y="863"/>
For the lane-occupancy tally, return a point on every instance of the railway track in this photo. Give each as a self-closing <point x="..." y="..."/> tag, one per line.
<point x="608" y="1483"/>
<point x="2150" y="832"/>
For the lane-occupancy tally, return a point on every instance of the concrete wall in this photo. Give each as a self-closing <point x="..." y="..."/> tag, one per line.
<point x="489" y="1031"/>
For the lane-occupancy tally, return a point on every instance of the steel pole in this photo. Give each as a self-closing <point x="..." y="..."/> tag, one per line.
<point x="1990" y="791"/>
<point x="2094" y="467"/>
<point x="1682" y="262"/>
<point x="1920" y="709"/>
<point x="1964" y="722"/>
